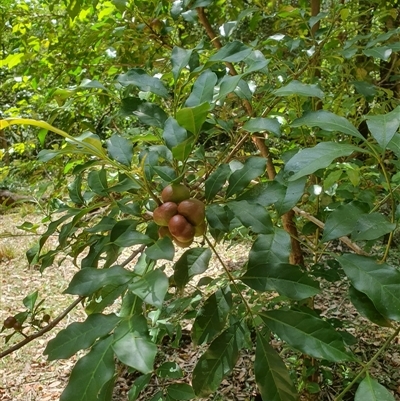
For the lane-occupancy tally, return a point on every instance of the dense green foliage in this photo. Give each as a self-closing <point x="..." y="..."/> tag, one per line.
<point x="287" y="110"/>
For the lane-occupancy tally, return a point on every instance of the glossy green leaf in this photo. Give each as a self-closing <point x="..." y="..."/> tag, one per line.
<point x="342" y="220"/>
<point x="227" y="85"/>
<point x="180" y="59"/>
<point x="379" y="52"/>
<point x="75" y="191"/>
<point x="120" y="149"/>
<point x="308" y="161"/>
<point x="232" y="52"/>
<point x="265" y="193"/>
<point x="162" y="249"/>
<point x="132" y="344"/>
<point x="124" y="234"/>
<point x="366" y="307"/>
<point x="80" y="335"/>
<point x="328" y="122"/>
<point x="182" y="151"/>
<point x="193" y="261"/>
<point x="383" y="127"/>
<point x="91" y="373"/>
<point x="97" y="182"/>
<point x="146" y="83"/>
<point x="170" y="370"/>
<point x="371" y="226"/>
<point x="218" y="217"/>
<point x="180" y="391"/>
<point x="203" y="89"/>
<point x="212" y="316"/>
<point x="272" y="377"/>
<point x="216" y="181"/>
<point x="298" y="88"/>
<point x="173" y="133"/>
<point x="30" y="300"/>
<point x="89" y="279"/>
<point x="253" y="216"/>
<point x="370" y="390"/>
<point x="308" y="334"/>
<point x="151" y="114"/>
<point x="218" y="361"/>
<point x="192" y="118"/>
<point x="137" y="386"/>
<point x="274" y="248"/>
<point x="240" y="179"/>
<point x="380" y="282"/>
<point x="292" y="194"/>
<point x="151" y="287"/>
<point x="258" y="124"/>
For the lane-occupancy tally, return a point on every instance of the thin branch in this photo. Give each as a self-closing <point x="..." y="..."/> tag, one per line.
<point x="133" y="255"/>
<point x="40" y="333"/>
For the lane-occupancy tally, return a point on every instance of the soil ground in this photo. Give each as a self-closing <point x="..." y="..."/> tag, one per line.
<point x="26" y="375"/>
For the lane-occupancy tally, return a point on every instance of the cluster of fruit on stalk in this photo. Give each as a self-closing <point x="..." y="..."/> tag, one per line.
<point x="180" y="217"/>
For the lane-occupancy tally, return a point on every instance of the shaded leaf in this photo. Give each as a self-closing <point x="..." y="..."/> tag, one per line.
<point x="91" y="373"/>
<point x="263" y="124"/>
<point x="298" y="88"/>
<point x="79" y="335"/>
<point x="137" y="386"/>
<point x="380" y="282"/>
<point x="120" y="149"/>
<point x="232" y="52"/>
<point x="216" y="181"/>
<point x="370" y="390"/>
<point x="203" y="89"/>
<point x="371" y="226"/>
<point x="162" y="249"/>
<point x="180" y="59"/>
<point x="192" y="118"/>
<point x="180" y="391"/>
<point x="308" y="334"/>
<point x="173" y="133"/>
<point x="272" y="377"/>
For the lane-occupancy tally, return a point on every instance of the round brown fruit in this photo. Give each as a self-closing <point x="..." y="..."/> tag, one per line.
<point x="164" y="232"/>
<point x="175" y="193"/>
<point x="181" y="229"/>
<point x="200" y="229"/>
<point x="17" y="326"/>
<point x="183" y="244"/>
<point x="194" y="211"/>
<point x="164" y="212"/>
<point x="9" y="322"/>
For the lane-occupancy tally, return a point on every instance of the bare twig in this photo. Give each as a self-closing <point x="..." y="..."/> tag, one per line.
<point x="133" y="255"/>
<point x="40" y="333"/>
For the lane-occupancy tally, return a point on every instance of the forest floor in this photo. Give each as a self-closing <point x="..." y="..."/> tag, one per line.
<point x="26" y="375"/>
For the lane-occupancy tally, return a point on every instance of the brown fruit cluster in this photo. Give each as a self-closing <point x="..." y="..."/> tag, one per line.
<point x="180" y="217"/>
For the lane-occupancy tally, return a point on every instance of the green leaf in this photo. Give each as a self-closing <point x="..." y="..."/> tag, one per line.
<point x="293" y="192"/>
<point x="180" y="391"/>
<point x="371" y="226"/>
<point x="308" y="161"/>
<point x="379" y="52"/>
<point x="193" y="261"/>
<point x="91" y="373"/>
<point x="79" y="336"/>
<point x="139" y="78"/>
<point x="151" y="287"/>
<point x="263" y="124"/>
<point x="89" y="83"/>
<point x="203" y="89"/>
<point x="218" y="361"/>
<point x="218" y="217"/>
<point x="75" y="191"/>
<point x="328" y="122"/>
<point x="162" y="249"/>
<point x="192" y="118"/>
<point x="180" y="59"/>
<point x="120" y="149"/>
<point x="308" y="334"/>
<point x="151" y="114"/>
<point x="252" y="215"/>
<point x="212" y="316"/>
<point x="30" y="300"/>
<point x="182" y="151"/>
<point x="384" y="127"/>
<point x="342" y="220"/>
<point x="274" y="248"/>
<point x="132" y="345"/>
<point x="370" y="390"/>
<point x="240" y="179"/>
<point x="170" y="370"/>
<point x="124" y="234"/>
<point x="227" y="85"/>
<point x="380" y="282"/>
<point x="366" y="308"/>
<point x="89" y="280"/>
<point x="173" y="133"/>
<point x="137" y="386"/>
<point x="97" y="182"/>
<point x="272" y="377"/>
<point x="232" y="52"/>
<point x="298" y="88"/>
<point x="216" y="181"/>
